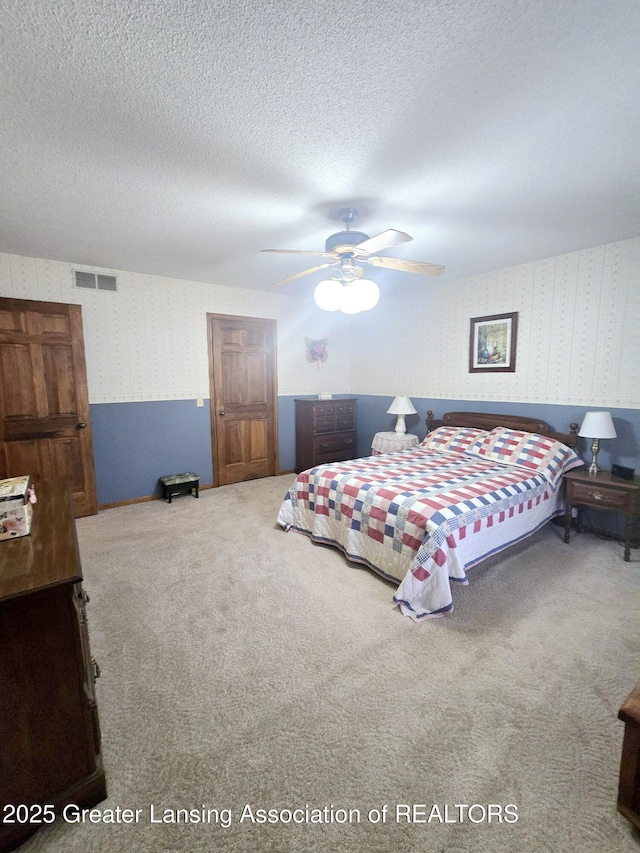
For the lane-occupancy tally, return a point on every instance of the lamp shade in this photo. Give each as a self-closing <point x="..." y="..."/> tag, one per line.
<point x="597" y="425"/>
<point x="401" y="406"/>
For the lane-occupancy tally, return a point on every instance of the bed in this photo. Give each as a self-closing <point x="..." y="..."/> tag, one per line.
<point x="422" y="517"/>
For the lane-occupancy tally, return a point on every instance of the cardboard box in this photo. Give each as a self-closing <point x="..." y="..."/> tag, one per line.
<point x="16" y="510"/>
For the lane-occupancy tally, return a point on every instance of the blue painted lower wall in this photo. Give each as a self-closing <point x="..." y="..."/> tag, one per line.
<point x="624" y="450"/>
<point x="136" y="443"/>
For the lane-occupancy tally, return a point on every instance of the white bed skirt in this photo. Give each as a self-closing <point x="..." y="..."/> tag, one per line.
<point x="418" y="597"/>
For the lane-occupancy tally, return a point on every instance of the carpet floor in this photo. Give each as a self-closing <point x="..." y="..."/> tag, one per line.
<point x="261" y="693"/>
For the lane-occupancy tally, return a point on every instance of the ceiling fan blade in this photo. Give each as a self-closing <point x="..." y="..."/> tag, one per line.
<point x="299" y="252"/>
<point x="418" y="267"/>
<point x="383" y="241"/>
<point x="301" y="274"/>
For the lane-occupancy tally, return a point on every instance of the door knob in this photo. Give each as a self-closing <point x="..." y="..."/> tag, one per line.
<point x="81" y="425"/>
<point x="221" y="412"/>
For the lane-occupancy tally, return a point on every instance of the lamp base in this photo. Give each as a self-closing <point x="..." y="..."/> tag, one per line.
<point x="594" y="468"/>
<point x="401" y="427"/>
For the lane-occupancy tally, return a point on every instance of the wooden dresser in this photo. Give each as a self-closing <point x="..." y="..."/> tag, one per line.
<point x="326" y="431"/>
<point x="629" y="784"/>
<point x="49" y="728"/>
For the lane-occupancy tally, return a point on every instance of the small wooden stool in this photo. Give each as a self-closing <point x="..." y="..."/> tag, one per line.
<point x="178" y="484"/>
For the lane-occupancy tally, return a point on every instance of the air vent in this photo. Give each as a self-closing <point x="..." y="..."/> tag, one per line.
<point x="95" y="281"/>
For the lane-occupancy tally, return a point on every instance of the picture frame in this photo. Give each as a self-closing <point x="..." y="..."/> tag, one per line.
<point x="492" y="343"/>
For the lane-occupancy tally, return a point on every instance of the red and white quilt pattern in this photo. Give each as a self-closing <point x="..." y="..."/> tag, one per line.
<point x="417" y="504"/>
<point x="526" y="450"/>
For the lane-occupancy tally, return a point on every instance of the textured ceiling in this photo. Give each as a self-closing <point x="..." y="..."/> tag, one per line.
<point x="180" y="138"/>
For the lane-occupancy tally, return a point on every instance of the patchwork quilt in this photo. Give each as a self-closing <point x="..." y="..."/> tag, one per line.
<point x="413" y="516"/>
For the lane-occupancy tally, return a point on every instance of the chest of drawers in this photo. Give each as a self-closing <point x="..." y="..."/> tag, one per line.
<point x="50" y="752"/>
<point x="326" y="431"/>
<point x="629" y="784"/>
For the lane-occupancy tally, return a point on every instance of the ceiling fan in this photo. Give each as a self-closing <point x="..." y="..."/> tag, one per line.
<point x="348" y="249"/>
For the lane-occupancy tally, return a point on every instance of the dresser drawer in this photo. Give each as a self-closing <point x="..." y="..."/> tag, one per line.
<point x="331" y="458"/>
<point x="323" y="408"/>
<point x="346" y="407"/>
<point x="324" y="423"/>
<point x="594" y="495"/>
<point x="337" y="442"/>
<point x="347" y="420"/>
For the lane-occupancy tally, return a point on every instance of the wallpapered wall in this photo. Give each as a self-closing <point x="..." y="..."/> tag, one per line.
<point x="578" y="333"/>
<point x="148" y="341"/>
<point x="147" y="360"/>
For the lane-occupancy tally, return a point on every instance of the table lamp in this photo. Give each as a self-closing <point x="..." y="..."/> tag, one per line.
<point x="597" y="425"/>
<point x="401" y="406"/>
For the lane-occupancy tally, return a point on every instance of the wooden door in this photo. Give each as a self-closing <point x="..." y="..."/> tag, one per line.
<point x="243" y="392"/>
<point x="45" y="430"/>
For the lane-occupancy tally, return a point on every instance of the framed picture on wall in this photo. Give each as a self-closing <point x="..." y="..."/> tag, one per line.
<point x="492" y="343"/>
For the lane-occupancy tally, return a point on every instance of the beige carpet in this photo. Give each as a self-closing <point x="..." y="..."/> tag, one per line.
<point x="243" y="666"/>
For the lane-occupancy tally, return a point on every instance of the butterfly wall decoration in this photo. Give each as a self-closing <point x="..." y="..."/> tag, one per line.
<point x="317" y="350"/>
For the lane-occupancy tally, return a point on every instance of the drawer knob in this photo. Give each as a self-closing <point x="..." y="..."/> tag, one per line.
<point x="597" y="496"/>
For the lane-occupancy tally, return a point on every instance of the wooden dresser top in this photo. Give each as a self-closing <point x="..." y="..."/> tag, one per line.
<point x="49" y="555"/>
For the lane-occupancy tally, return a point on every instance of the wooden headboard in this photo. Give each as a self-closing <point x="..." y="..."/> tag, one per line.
<point x="487" y="420"/>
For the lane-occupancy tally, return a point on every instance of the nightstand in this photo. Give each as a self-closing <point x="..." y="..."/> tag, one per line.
<point x="392" y="442"/>
<point x="602" y="491"/>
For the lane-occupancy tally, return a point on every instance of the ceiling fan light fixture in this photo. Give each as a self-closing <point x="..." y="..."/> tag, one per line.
<point x="328" y="294"/>
<point x="350" y="303"/>
<point x="344" y="241"/>
<point x="350" y="297"/>
<point x="349" y="249"/>
<point x="366" y="292"/>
